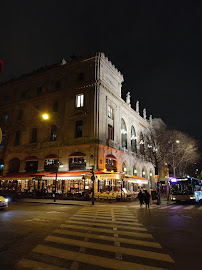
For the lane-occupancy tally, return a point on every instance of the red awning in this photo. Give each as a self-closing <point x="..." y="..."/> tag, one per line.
<point x="111" y="156"/>
<point x="77" y="154"/>
<point x="51" y="156"/>
<point x="16" y="176"/>
<point x="31" y="158"/>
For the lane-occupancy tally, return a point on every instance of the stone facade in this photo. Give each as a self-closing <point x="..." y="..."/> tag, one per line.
<point x="81" y="128"/>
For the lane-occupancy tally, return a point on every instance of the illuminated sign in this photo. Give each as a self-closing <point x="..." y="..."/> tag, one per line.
<point x="1" y="65"/>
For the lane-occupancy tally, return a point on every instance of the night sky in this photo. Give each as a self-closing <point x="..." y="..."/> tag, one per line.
<point x="156" y="45"/>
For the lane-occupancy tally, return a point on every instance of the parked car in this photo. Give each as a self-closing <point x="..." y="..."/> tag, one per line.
<point x="3" y="203"/>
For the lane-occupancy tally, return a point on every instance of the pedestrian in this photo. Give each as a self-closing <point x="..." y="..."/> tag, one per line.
<point x="141" y="197"/>
<point x="147" y="198"/>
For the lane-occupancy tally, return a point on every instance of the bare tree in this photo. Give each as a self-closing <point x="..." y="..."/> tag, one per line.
<point x="182" y="153"/>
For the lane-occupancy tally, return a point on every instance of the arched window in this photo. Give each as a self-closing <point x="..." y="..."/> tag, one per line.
<point x="14" y="165"/>
<point x="111" y="163"/>
<point x="77" y="161"/>
<point x="144" y="172"/>
<point x="124" y="168"/>
<point x="50" y="163"/>
<point x="31" y="164"/>
<point x="133" y="140"/>
<point x="135" y="170"/>
<point x="151" y="177"/>
<point x="142" y="150"/>
<point x="123" y="134"/>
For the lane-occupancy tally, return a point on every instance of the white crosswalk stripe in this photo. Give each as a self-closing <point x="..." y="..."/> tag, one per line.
<point x="169" y="207"/>
<point x="86" y="238"/>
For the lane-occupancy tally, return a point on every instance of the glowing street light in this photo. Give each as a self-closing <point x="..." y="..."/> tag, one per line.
<point x="45" y="116"/>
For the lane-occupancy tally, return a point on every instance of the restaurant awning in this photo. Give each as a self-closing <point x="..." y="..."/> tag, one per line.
<point x="17" y="176"/>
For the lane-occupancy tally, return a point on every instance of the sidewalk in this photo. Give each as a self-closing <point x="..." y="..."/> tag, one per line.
<point x="89" y="203"/>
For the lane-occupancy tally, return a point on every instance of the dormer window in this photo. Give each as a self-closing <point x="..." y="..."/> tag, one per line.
<point x="79" y="100"/>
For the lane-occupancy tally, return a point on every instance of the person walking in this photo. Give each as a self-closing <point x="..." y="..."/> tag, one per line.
<point x="147" y="198"/>
<point x="141" y="197"/>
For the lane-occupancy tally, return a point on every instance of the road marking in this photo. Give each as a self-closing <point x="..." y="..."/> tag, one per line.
<point x="30" y="264"/>
<point x="164" y="207"/>
<point x="122" y="250"/>
<point x="176" y="207"/>
<point x="54" y="212"/>
<point x="189" y="207"/>
<point x="107" y="221"/>
<point x="37" y="219"/>
<point x="134" y="227"/>
<point x="91" y="216"/>
<point x="110" y="238"/>
<point x="92" y="259"/>
<point x="135" y="234"/>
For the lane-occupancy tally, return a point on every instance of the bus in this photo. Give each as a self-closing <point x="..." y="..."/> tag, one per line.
<point x="186" y="189"/>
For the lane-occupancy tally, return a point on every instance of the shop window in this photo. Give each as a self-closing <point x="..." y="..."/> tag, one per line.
<point x="34" y="135"/>
<point x="79" y="128"/>
<point x="17" y="138"/>
<point x="110" y="132"/>
<point x="31" y="166"/>
<point x="54" y="131"/>
<point x="77" y="163"/>
<point x="80" y="100"/>
<point x="123" y="134"/>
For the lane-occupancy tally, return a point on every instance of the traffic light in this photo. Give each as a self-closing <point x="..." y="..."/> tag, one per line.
<point x="1" y="65"/>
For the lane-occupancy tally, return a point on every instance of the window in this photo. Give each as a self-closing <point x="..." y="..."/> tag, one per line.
<point x="39" y="91"/>
<point x="123" y="134"/>
<point x="77" y="163"/>
<point x="5" y="118"/>
<point x="110" y="112"/>
<point x="80" y="77"/>
<point x="31" y="166"/>
<point x="17" y="137"/>
<point x="133" y="140"/>
<point x="110" y="132"/>
<point x="3" y="141"/>
<point x="14" y="165"/>
<point x="142" y="150"/>
<point x="8" y="99"/>
<point x="57" y="85"/>
<point x="54" y="131"/>
<point x="124" y="168"/>
<point x="34" y="135"/>
<point x="79" y="128"/>
<point x="135" y="170"/>
<point x="55" y="106"/>
<point x="19" y="116"/>
<point x="79" y="100"/>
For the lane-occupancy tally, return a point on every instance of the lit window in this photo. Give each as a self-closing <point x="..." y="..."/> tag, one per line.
<point x="123" y="134"/>
<point x="110" y="112"/>
<point x="79" y="100"/>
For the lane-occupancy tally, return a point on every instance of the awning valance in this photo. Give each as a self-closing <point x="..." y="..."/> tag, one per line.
<point x="31" y="158"/>
<point x="51" y="156"/>
<point x="111" y="157"/>
<point x="77" y="154"/>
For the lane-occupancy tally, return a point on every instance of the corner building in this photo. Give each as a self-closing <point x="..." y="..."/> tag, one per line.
<point x="89" y="125"/>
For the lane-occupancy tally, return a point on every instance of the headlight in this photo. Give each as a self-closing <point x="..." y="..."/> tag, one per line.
<point x="173" y="198"/>
<point x="192" y="198"/>
<point x="6" y="200"/>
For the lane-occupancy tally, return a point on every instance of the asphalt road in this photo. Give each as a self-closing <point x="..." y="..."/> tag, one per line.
<point x="110" y="236"/>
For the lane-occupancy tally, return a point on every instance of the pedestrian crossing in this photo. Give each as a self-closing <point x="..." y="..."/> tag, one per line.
<point x="169" y="207"/>
<point x="94" y="238"/>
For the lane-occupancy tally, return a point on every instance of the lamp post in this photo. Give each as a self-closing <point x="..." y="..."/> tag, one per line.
<point x="93" y="179"/>
<point x="45" y="116"/>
